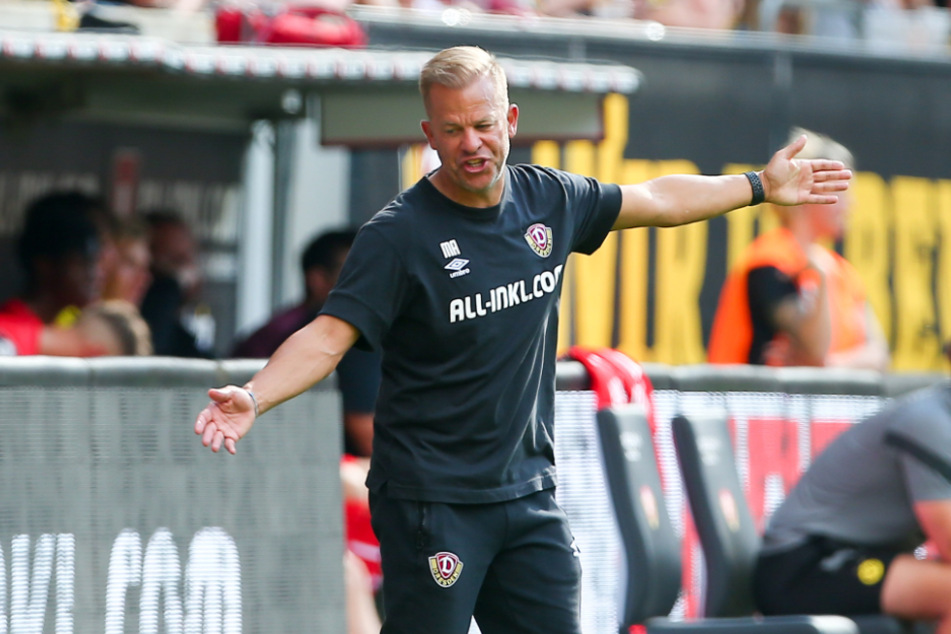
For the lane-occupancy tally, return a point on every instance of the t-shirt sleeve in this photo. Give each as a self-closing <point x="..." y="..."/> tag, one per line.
<point x="921" y="434"/>
<point x="595" y="208"/>
<point x="372" y="287"/>
<point x="767" y="287"/>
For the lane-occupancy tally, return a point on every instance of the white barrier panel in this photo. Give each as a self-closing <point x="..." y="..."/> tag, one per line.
<point x="115" y="519"/>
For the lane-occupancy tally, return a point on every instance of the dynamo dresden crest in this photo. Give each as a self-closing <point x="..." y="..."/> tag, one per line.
<point x="538" y="236"/>
<point x="445" y="568"/>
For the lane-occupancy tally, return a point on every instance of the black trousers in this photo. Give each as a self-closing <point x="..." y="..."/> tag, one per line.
<point x="823" y="576"/>
<point x="513" y="565"/>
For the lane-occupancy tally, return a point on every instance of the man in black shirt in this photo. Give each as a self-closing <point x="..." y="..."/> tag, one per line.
<point x="457" y="281"/>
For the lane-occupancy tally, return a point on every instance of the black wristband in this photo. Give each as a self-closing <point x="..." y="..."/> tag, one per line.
<point x="759" y="194"/>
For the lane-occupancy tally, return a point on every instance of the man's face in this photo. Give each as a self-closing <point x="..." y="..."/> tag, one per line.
<point x="470" y="129"/>
<point x="78" y="279"/>
<point x="131" y="276"/>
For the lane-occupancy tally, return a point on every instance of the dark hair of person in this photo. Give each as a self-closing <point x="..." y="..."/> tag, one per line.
<point x="59" y="224"/>
<point x="322" y="250"/>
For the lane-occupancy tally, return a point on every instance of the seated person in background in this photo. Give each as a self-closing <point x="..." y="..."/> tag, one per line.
<point x="130" y="277"/>
<point x="792" y="301"/>
<point x="58" y="250"/>
<point x="179" y="324"/>
<point x="358" y="374"/>
<point x="114" y="328"/>
<point x="843" y="542"/>
<point x="358" y="379"/>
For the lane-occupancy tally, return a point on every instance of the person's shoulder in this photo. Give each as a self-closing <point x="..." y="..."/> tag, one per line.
<point x="776" y="248"/>
<point x="539" y="173"/>
<point x="16" y="308"/>
<point x="534" y="177"/>
<point x="921" y="409"/>
<point x="400" y="210"/>
<point x="265" y="340"/>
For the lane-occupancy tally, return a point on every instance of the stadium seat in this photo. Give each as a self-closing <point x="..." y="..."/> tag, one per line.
<point x="724" y="522"/>
<point x="652" y="548"/>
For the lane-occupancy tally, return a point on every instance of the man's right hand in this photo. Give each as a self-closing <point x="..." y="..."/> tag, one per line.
<point x="226" y="419"/>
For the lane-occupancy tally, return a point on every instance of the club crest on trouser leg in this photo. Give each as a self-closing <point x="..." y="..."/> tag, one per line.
<point x="445" y="568"/>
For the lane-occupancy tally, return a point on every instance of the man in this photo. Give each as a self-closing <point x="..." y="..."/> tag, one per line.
<point x="179" y="327"/>
<point x="843" y="541"/>
<point x="793" y="301"/>
<point x="457" y="281"/>
<point x="59" y="251"/>
<point x="358" y="373"/>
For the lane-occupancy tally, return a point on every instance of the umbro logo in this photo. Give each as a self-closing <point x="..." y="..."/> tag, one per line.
<point x="458" y="267"/>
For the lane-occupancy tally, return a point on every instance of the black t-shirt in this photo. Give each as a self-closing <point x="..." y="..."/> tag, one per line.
<point x="767" y="287"/>
<point x="463" y="303"/>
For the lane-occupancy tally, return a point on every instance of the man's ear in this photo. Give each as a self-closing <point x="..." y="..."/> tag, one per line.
<point x="428" y="131"/>
<point x="512" y="119"/>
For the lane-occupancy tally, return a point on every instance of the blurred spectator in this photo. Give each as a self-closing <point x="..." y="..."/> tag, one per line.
<point x="701" y="14"/>
<point x="58" y="249"/>
<point x="358" y="379"/>
<point x="113" y="327"/>
<point x="130" y="276"/>
<point x="792" y="301"/>
<point x="358" y="374"/>
<point x="181" y="326"/>
<point x="363" y="575"/>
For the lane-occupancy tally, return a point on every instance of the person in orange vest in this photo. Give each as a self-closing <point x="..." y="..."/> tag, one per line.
<point x="791" y="300"/>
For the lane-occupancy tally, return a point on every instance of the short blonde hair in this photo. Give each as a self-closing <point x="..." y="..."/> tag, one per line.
<point x="458" y="67"/>
<point x="821" y="146"/>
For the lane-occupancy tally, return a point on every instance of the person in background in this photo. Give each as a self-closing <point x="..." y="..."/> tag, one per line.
<point x="112" y="327"/>
<point x="844" y="539"/>
<point x="130" y="277"/>
<point x="171" y="305"/>
<point x="792" y="300"/>
<point x="358" y="380"/>
<point x="59" y="249"/>
<point x="458" y="282"/>
<point x="358" y="373"/>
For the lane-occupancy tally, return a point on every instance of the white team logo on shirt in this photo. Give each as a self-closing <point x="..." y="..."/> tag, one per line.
<point x="458" y="267"/>
<point x="445" y="568"/>
<point x="538" y="236"/>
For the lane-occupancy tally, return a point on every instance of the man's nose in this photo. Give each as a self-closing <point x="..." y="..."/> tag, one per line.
<point x="471" y="140"/>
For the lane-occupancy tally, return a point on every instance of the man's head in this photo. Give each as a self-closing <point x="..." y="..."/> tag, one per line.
<point x="321" y="262"/>
<point x="59" y="248"/>
<point x="174" y="251"/>
<point x="130" y="277"/>
<point x="460" y="66"/>
<point x="470" y="123"/>
<point x="824" y="221"/>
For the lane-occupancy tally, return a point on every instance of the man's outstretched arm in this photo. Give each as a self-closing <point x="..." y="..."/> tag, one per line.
<point x="674" y="200"/>
<point x="307" y="357"/>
